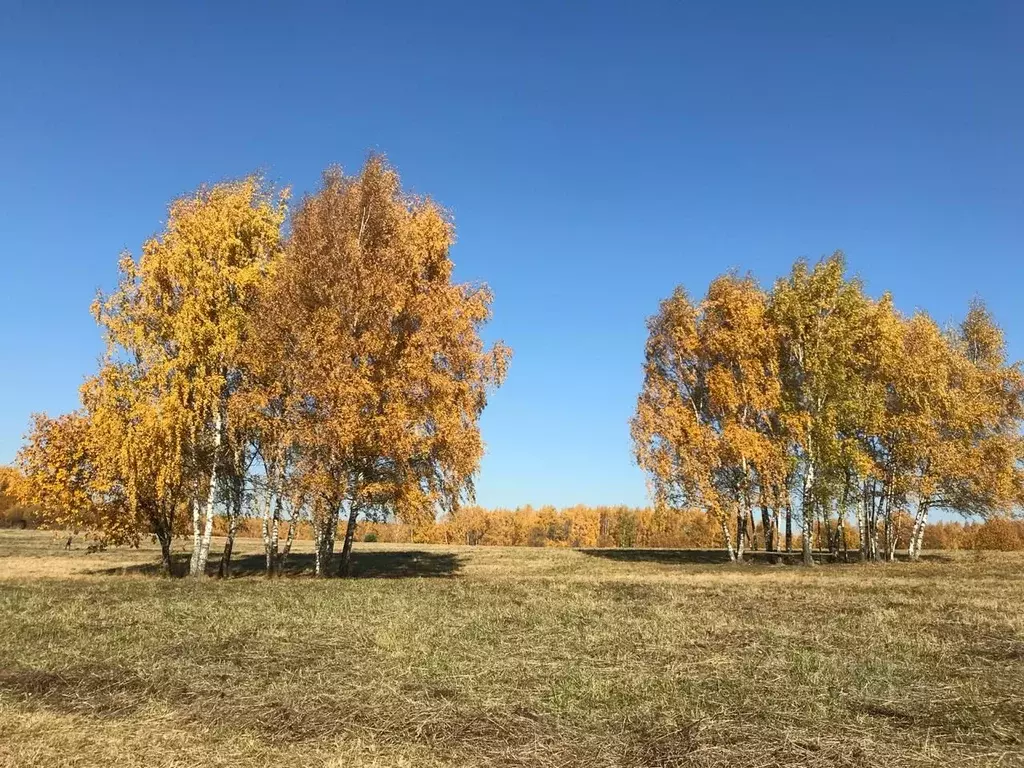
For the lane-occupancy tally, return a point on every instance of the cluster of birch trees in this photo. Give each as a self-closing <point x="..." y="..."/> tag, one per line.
<point x="316" y="365"/>
<point x="814" y="403"/>
<point x="308" y="366"/>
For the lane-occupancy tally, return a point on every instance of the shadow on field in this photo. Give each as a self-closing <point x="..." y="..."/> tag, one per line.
<point x="721" y="557"/>
<point x="396" y="564"/>
<point x="668" y="556"/>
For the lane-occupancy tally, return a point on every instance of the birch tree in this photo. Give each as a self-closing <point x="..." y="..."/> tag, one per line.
<point x="384" y="355"/>
<point x="116" y="468"/>
<point x="674" y="442"/>
<point x="707" y="410"/>
<point x="948" y="435"/>
<point x="265" y="407"/>
<point x="824" y="336"/>
<point x="182" y="311"/>
<point x="60" y="474"/>
<point x="817" y="393"/>
<point x="981" y="470"/>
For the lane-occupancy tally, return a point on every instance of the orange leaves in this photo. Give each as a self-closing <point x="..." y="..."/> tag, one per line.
<point x="134" y="456"/>
<point x="345" y="356"/>
<point x="578" y="526"/>
<point x="749" y="397"/>
<point x="58" y="472"/>
<point x="381" y="354"/>
<point x="710" y="390"/>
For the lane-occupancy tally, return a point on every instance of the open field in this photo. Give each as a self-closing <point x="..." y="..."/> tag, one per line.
<point x="510" y="657"/>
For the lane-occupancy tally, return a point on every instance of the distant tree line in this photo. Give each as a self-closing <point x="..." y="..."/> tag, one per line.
<point x="616" y="527"/>
<point x="596" y="527"/>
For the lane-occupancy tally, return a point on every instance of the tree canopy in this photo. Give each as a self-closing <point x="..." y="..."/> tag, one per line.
<point x="333" y="369"/>
<point x="814" y="395"/>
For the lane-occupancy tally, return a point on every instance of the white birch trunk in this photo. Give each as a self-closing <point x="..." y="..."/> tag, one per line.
<point x="289" y="538"/>
<point x="873" y="537"/>
<point x="741" y="523"/>
<point x="275" y="528"/>
<point x="318" y="548"/>
<point x="199" y="564"/>
<point x="727" y="537"/>
<point x="271" y="516"/>
<point x="919" y="539"/>
<point x="265" y="530"/>
<point x="807" y="512"/>
<point x="883" y="508"/>
<point x="862" y="525"/>
<point x="894" y="537"/>
<point x="196" y="536"/>
<point x="917" y="534"/>
<point x="273" y="553"/>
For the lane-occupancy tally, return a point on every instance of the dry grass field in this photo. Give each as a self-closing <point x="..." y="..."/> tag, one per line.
<point x="448" y="656"/>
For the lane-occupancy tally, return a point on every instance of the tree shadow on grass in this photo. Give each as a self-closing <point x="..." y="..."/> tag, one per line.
<point x="935" y="557"/>
<point x="666" y="556"/>
<point x="384" y="564"/>
<point x="721" y="557"/>
<point x="373" y="564"/>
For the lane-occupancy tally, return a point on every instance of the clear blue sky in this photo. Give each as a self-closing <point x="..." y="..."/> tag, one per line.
<point x="594" y="155"/>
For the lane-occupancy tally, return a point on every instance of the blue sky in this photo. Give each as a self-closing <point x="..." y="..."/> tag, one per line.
<point x="594" y="155"/>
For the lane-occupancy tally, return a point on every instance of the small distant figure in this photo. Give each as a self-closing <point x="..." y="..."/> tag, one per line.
<point x="67" y="544"/>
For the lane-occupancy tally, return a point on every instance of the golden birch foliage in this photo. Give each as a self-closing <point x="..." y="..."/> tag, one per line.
<point x="983" y="469"/>
<point x="114" y="468"/>
<point x="577" y="526"/>
<point x="673" y="442"/>
<point x="819" y="390"/>
<point x="382" y="349"/>
<point x="12" y="487"/>
<point x="704" y="420"/>
<point x="181" y="314"/>
<point x="950" y="434"/>
<point x="139" y="442"/>
<point x="60" y="478"/>
<point x="904" y="402"/>
<point x="825" y="335"/>
<point x="980" y="339"/>
<point x="128" y="461"/>
<point x="942" y="423"/>
<point x="183" y="308"/>
<point x="743" y="384"/>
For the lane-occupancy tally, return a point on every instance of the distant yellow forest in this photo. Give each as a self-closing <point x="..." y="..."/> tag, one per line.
<point x="621" y="526"/>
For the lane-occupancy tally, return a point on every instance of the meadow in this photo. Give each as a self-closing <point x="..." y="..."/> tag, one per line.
<point x="493" y="656"/>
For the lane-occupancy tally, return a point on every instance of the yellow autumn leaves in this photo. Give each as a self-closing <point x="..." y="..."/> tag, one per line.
<point x="334" y="370"/>
<point x="315" y="363"/>
<point x="812" y="394"/>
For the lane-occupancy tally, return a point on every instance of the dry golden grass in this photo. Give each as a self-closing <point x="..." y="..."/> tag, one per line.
<point x="509" y="657"/>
